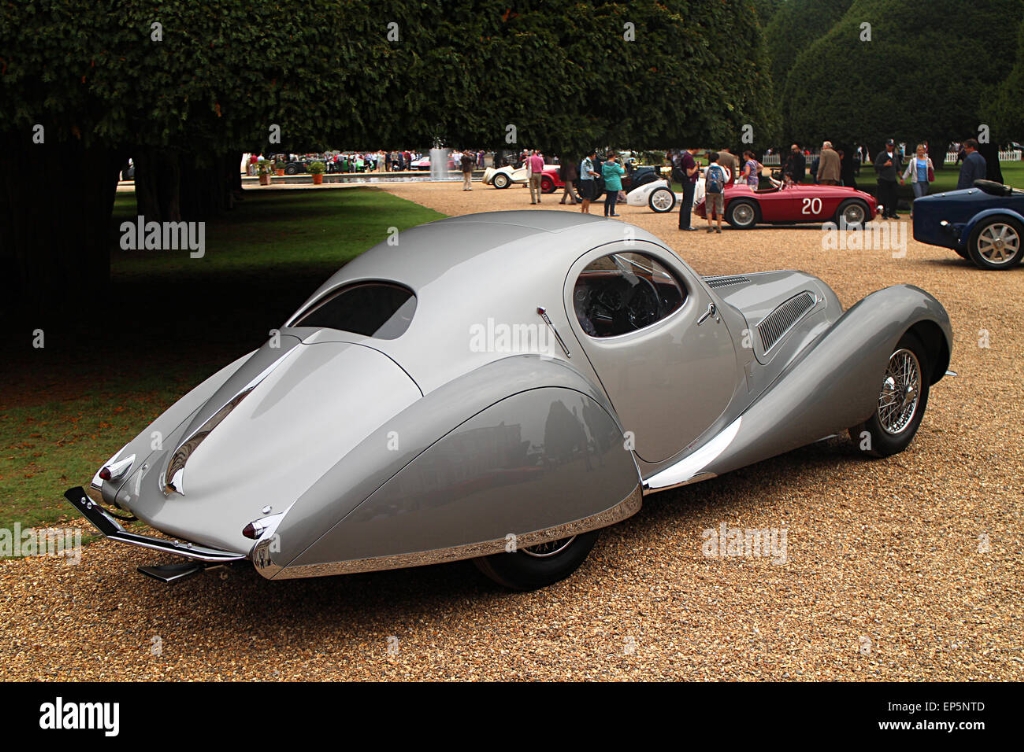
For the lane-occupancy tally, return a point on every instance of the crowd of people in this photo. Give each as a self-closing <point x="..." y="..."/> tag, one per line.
<point x="833" y="164"/>
<point x="356" y="162"/>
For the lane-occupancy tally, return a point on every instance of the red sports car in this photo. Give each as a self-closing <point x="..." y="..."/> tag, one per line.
<point x="781" y="204"/>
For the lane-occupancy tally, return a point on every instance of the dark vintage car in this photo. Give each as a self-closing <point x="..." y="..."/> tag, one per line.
<point x="781" y="204"/>
<point x="984" y="223"/>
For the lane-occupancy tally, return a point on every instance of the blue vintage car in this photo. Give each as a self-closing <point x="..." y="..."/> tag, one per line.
<point x="984" y="223"/>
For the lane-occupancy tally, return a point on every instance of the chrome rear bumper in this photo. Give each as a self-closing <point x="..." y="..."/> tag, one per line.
<point x="111" y="528"/>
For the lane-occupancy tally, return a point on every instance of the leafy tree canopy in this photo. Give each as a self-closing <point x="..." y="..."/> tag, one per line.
<point x="920" y="75"/>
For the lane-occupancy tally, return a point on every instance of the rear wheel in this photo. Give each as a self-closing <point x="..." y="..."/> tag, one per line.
<point x="996" y="243"/>
<point x="501" y="180"/>
<point x="901" y="402"/>
<point x="661" y="200"/>
<point x="741" y="214"/>
<point x="538" y="566"/>
<point x="547" y="185"/>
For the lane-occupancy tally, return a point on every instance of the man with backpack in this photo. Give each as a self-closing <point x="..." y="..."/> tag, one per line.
<point x="714" y="192"/>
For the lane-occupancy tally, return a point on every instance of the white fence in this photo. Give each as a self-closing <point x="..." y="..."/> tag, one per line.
<point x="1004" y="156"/>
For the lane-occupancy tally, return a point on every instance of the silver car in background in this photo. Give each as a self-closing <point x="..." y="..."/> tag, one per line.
<point x="501" y="386"/>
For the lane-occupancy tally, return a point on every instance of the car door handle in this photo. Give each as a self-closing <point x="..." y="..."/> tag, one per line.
<point x="711" y="311"/>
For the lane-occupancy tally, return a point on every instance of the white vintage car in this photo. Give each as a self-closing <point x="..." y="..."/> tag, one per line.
<point x="659" y="196"/>
<point x="503" y="177"/>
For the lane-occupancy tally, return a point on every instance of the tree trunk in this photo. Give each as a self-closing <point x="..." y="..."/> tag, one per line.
<point x="55" y="233"/>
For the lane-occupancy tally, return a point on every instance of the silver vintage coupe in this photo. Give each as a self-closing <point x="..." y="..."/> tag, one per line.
<point x="501" y="386"/>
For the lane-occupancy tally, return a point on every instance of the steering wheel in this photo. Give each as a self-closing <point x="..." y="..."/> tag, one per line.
<point x="644" y="306"/>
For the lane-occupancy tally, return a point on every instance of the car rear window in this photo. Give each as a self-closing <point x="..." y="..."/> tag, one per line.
<point x="374" y="309"/>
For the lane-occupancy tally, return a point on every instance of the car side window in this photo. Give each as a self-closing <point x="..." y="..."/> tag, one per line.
<point x="623" y="292"/>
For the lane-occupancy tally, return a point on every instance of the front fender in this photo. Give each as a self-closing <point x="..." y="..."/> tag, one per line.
<point x="523" y="446"/>
<point x="831" y="387"/>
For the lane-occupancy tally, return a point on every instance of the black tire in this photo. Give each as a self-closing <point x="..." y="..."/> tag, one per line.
<point x="291" y="170"/>
<point x="661" y="200"/>
<point x="854" y="212"/>
<point x="996" y="243"/>
<point x="742" y="214"/>
<point x="962" y="253"/>
<point x="501" y="180"/>
<point x="896" y="419"/>
<point x="538" y="566"/>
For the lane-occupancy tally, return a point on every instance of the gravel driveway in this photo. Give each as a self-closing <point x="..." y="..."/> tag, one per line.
<point x="902" y="569"/>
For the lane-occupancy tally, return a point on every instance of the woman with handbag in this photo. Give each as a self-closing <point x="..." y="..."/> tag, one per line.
<point x="921" y="172"/>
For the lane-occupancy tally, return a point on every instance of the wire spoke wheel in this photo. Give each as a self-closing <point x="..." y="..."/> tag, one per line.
<point x="897" y="402"/>
<point x="551" y="548"/>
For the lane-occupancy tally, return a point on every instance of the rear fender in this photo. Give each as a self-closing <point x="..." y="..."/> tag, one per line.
<point x="968" y="229"/>
<point x="523" y="446"/>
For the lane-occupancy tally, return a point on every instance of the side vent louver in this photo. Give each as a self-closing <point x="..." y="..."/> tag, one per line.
<point x="714" y="282"/>
<point x="784" y="318"/>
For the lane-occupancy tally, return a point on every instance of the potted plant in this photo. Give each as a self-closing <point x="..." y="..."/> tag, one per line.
<point x="263" y="169"/>
<point x="316" y="169"/>
<point x="279" y="166"/>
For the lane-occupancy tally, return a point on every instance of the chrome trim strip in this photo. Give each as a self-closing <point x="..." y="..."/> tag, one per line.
<point x="690" y="469"/>
<point x="543" y="312"/>
<point x="111" y="528"/>
<point x="624" y="509"/>
<point x="173" y="475"/>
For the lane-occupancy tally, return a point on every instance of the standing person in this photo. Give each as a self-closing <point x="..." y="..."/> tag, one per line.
<point x="829" y="165"/>
<point x="887" y="165"/>
<point x="848" y="165"/>
<point x="990" y="153"/>
<point x="796" y="166"/>
<point x="588" y="184"/>
<point x="714" y="193"/>
<point x="535" y="165"/>
<point x="751" y="170"/>
<point x="612" y="172"/>
<point x="468" y="163"/>
<point x="974" y="166"/>
<point x="921" y="172"/>
<point x="729" y="162"/>
<point x="568" y="174"/>
<point x="687" y="172"/>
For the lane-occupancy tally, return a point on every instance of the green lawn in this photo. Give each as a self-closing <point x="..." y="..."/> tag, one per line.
<point x="945" y="178"/>
<point x="169" y="322"/>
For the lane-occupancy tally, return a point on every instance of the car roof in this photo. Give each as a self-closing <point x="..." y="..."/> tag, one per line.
<point x="476" y="269"/>
<point x="496" y="245"/>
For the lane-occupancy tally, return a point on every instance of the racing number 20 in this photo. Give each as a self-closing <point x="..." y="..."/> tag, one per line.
<point x="812" y="206"/>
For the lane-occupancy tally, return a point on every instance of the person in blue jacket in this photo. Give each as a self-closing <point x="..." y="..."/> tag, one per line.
<point x="612" y="173"/>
